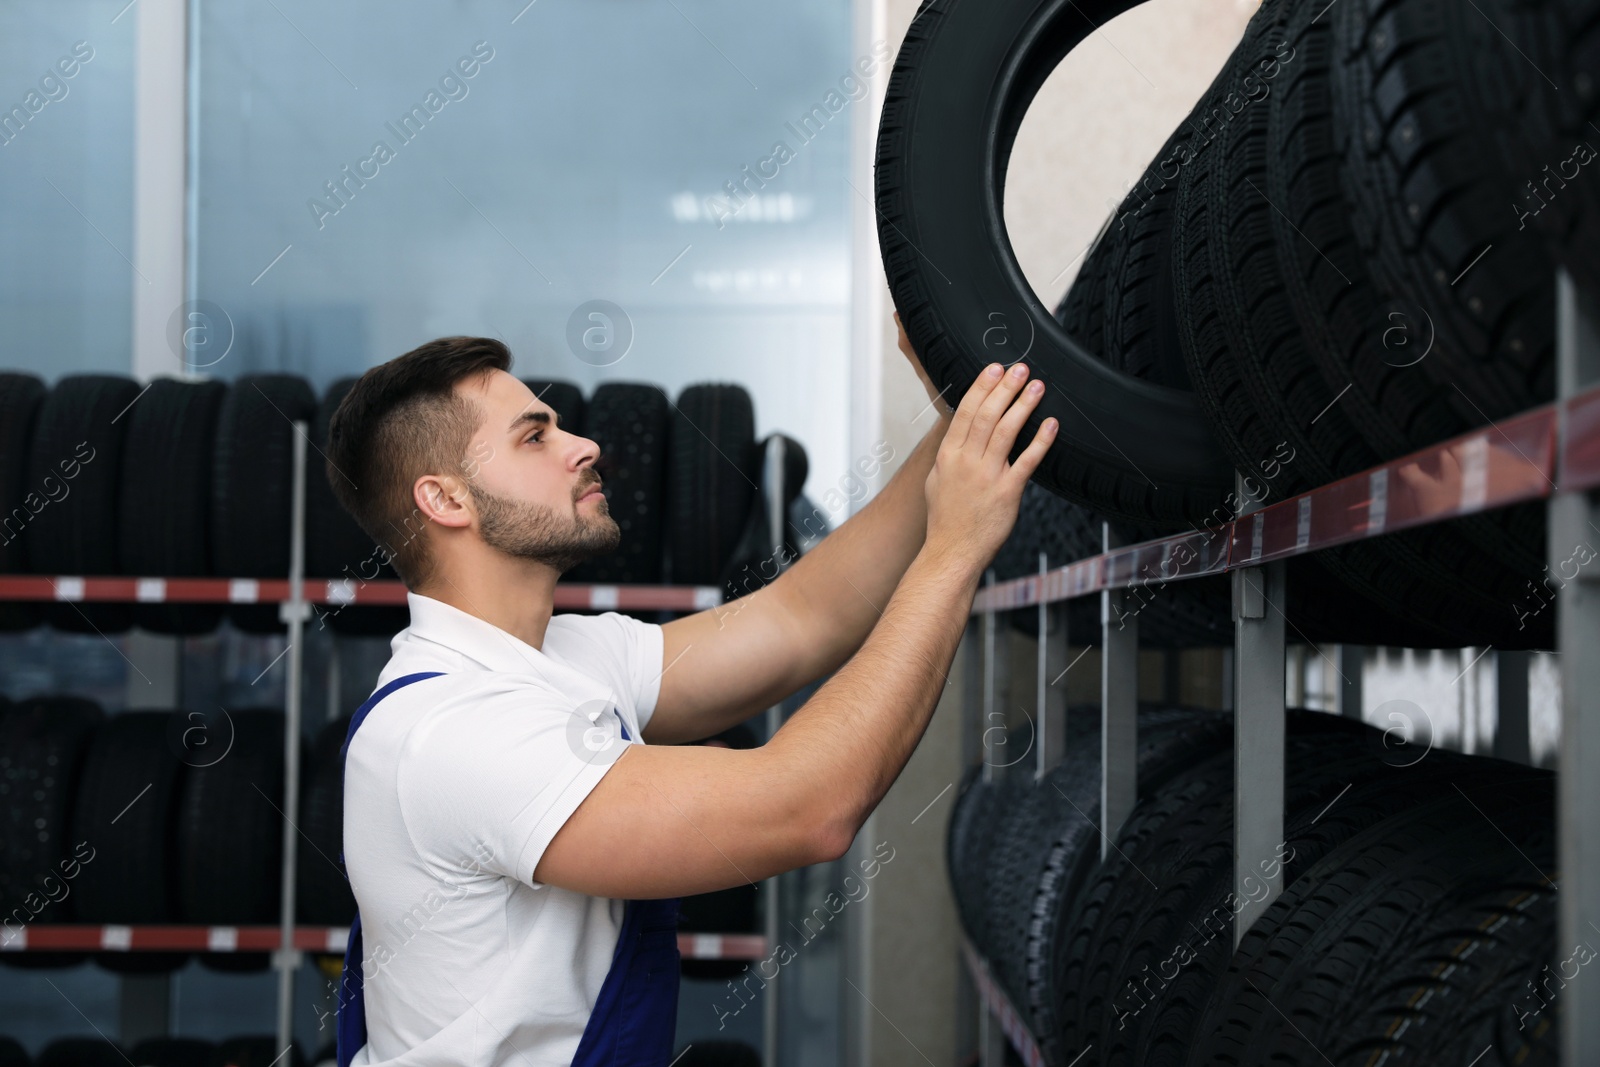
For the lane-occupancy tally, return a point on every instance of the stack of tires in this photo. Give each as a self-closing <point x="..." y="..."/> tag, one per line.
<point x="155" y="817"/>
<point x="1346" y="252"/>
<point x="194" y="479"/>
<point x="253" y="1051"/>
<point x="1417" y="913"/>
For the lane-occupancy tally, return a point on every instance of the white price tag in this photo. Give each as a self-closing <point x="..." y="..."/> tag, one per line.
<point x="1377" y="500"/>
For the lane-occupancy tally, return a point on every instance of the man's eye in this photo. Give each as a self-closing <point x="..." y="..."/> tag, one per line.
<point x="537" y="435"/>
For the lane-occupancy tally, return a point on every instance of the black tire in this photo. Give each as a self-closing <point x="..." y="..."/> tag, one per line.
<point x="1044" y="838"/>
<point x="1088" y="982"/>
<point x="81" y="1052"/>
<point x="630" y="424"/>
<point x="164" y="522"/>
<point x="20" y="398"/>
<point x="322" y="893"/>
<point x="77" y="444"/>
<point x="1436" y="101"/>
<point x="1123" y="296"/>
<point x="755" y="560"/>
<point x="718" y="1054"/>
<point x="1178" y="843"/>
<point x="253" y="483"/>
<point x="230" y="820"/>
<point x="1046" y="522"/>
<point x="564" y="398"/>
<point x="1345" y="326"/>
<point x="1185" y="614"/>
<point x="42" y="745"/>
<point x="1563" y="40"/>
<point x="336" y="546"/>
<point x="968" y="841"/>
<point x="1127" y="448"/>
<point x="173" y="1052"/>
<point x="1338" y="928"/>
<point x="711" y="480"/>
<point x="12" y="1054"/>
<point x="1252" y="367"/>
<point x="1202" y="951"/>
<point x="1462" y="988"/>
<point x="259" y="1051"/>
<point x="126" y="808"/>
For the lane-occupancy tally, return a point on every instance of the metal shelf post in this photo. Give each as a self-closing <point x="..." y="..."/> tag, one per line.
<point x="1051" y="745"/>
<point x="1573" y="520"/>
<point x="1258" y="722"/>
<point x="987" y="660"/>
<point x="773" y="480"/>
<point x="294" y="612"/>
<point x="1119" y="708"/>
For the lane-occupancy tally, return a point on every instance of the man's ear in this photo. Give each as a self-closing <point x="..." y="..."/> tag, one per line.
<point x="444" y="499"/>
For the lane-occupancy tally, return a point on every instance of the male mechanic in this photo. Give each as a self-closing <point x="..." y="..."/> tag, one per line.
<point x="521" y="812"/>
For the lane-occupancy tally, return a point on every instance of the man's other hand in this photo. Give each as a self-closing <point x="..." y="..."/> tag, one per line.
<point x="934" y="396"/>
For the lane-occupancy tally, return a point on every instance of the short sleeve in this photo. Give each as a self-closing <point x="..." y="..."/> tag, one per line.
<point x="488" y="780"/>
<point x="623" y="652"/>
<point x="644" y="646"/>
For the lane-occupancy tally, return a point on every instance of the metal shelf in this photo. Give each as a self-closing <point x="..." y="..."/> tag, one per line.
<point x="295" y="596"/>
<point x="339" y="592"/>
<point x="70" y="937"/>
<point x="1551" y="452"/>
<point x="999" y="1009"/>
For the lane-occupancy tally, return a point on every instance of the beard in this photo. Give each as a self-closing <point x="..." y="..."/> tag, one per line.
<point x="534" y="531"/>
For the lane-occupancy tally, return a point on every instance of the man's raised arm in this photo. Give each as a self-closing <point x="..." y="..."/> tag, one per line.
<point x="726" y="664"/>
<point x="669" y="820"/>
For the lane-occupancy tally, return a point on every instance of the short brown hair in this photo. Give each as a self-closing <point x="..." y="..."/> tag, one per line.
<point x="403" y="419"/>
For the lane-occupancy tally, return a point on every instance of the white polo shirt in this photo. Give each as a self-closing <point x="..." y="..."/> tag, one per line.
<point x="453" y="788"/>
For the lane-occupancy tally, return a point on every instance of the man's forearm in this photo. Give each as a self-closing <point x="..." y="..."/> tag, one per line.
<point x="845" y="747"/>
<point x="838" y="589"/>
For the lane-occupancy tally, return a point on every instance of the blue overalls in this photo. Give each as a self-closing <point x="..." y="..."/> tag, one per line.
<point x="635" y="1017"/>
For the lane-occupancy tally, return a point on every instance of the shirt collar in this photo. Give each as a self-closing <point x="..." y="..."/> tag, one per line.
<point x="486" y="645"/>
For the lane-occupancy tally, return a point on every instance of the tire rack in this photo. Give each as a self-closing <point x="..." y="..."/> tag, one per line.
<point x="1551" y="452"/>
<point x="295" y="595"/>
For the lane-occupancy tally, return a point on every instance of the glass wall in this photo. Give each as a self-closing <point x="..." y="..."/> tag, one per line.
<point x="66" y="186"/>
<point x="371" y="177"/>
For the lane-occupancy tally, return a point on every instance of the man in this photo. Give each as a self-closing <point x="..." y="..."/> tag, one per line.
<point x="520" y="814"/>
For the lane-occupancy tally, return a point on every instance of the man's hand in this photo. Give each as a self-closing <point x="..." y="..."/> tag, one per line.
<point x="934" y="396"/>
<point x="974" y="490"/>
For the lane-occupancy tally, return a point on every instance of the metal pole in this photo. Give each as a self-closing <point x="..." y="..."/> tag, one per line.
<point x="777" y="492"/>
<point x="1511" y="739"/>
<point x="1258" y="727"/>
<point x="1572" y="522"/>
<point x="991" y="1039"/>
<point x="294" y="612"/>
<point x="1119" y="708"/>
<point x="988" y="682"/>
<point x="1052" y="719"/>
<point x="335" y="683"/>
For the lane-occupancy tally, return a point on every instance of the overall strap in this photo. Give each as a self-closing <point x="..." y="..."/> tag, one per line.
<point x="350" y="1030"/>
